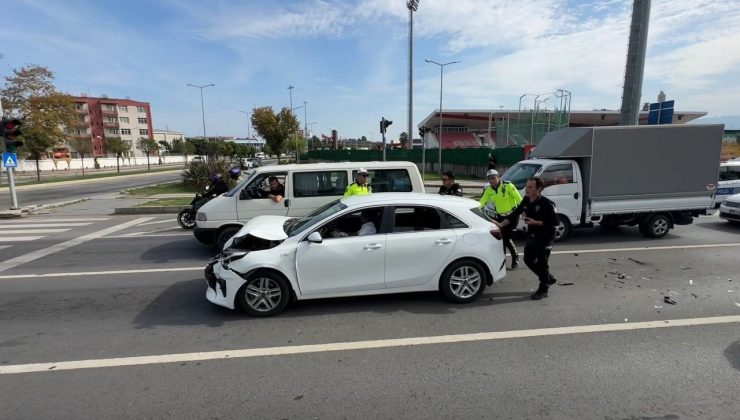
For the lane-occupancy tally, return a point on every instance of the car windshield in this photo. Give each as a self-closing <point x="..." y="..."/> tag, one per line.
<point x="520" y="173"/>
<point x="296" y="226"/>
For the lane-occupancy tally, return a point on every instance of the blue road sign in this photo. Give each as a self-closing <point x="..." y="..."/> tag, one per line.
<point x="10" y="160"/>
<point x="661" y="113"/>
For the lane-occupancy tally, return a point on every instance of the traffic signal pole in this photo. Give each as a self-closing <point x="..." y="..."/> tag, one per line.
<point x="11" y="181"/>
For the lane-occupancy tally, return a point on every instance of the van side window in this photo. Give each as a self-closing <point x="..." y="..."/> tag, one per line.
<point x="388" y="180"/>
<point x="259" y="187"/>
<point x="558" y="174"/>
<point x="319" y="184"/>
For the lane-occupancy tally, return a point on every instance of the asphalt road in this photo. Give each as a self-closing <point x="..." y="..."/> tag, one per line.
<point x="99" y="300"/>
<point x="66" y="191"/>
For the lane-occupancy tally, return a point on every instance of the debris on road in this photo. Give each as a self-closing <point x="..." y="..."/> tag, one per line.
<point x="566" y="284"/>
<point x="668" y="300"/>
<point x="621" y="276"/>
<point x="637" y="261"/>
<point x="694" y="295"/>
<point x="691" y="282"/>
<point x="737" y="304"/>
<point x="685" y="268"/>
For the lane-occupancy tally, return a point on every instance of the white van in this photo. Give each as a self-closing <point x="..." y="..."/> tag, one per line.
<point x="729" y="181"/>
<point x="307" y="187"/>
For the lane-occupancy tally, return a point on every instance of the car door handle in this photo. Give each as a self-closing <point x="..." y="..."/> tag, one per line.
<point x="370" y="247"/>
<point x="443" y="241"/>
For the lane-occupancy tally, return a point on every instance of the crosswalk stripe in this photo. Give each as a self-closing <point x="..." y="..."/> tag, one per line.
<point x="4" y="246"/>
<point x="42" y="220"/>
<point x="20" y="239"/>
<point x="43" y="225"/>
<point x="22" y="231"/>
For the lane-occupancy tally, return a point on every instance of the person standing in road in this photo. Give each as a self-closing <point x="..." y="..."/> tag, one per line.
<point x="500" y="199"/>
<point x="449" y="186"/>
<point x="359" y="187"/>
<point x="541" y="220"/>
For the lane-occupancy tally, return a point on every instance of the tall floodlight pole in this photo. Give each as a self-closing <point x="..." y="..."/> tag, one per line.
<point x="412" y="5"/>
<point x="632" y="90"/>
<point x="441" y="72"/>
<point x="202" y="107"/>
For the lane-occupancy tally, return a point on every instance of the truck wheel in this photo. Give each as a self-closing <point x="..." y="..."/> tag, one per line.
<point x="562" y="230"/>
<point x="658" y="226"/>
<point x="225" y="235"/>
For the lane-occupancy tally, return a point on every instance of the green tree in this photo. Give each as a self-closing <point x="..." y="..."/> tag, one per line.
<point x="148" y="146"/>
<point x="118" y="147"/>
<point x="188" y="148"/>
<point x="83" y="147"/>
<point x="276" y="129"/>
<point x="29" y="94"/>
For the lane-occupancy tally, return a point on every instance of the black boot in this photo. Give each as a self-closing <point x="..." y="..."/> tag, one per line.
<point x="541" y="292"/>
<point x="514" y="262"/>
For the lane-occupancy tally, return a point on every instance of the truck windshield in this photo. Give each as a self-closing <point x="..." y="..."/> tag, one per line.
<point x="520" y="173"/>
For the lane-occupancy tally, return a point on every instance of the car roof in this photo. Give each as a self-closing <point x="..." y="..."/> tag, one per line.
<point x="337" y="165"/>
<point x="408" y="199"/>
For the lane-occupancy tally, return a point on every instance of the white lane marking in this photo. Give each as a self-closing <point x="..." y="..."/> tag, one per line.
<point x="100" y="273"/>
<point x="357" y="345"/>
<point x="31" y="256"/>
<point x="4" y="246"/>
<point x="645" y="248"/>
<point x="44" y="220"/>
<point x="44" y="225"/>
<point x="144" y="235"/>
<point x="159" y="221"/>
<point x="20" y="238"/>
<point x="21" y="231"/>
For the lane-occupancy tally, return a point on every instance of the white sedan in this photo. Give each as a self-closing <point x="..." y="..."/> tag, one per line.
<point x="361" y="245"/>
<point x="730" y="208"/>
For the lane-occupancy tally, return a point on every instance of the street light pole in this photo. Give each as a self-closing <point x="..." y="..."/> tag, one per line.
<point x="249" y="124"/>
<point x="202" y="107"/>
<point x="412" y="5"/>
<point x="295" y="137"/>
<point x="441" y="72"/>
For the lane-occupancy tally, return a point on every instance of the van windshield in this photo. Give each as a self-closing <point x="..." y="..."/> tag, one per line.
<point x="520" y="173"/>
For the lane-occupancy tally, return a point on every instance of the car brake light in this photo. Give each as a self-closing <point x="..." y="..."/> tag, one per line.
<point x="496" y="233"/>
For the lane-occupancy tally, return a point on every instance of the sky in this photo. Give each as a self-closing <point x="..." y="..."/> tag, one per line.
<point x="348" y="59"/>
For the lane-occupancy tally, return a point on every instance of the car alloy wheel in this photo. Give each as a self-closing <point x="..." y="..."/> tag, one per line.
<point x="463" y="281"/>
<point x="265" y="294"/>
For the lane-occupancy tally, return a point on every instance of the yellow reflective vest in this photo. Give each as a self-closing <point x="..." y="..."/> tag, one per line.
<point x="354" y="189"/>
<point x="503" y="199"/>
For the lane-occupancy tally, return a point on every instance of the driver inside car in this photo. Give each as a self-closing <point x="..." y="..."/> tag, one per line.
<point x="367" y="227"/>
<point x="276" y="192"/>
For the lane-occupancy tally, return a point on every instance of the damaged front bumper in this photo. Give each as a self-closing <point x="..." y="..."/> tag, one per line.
<point x="222" y="284"/>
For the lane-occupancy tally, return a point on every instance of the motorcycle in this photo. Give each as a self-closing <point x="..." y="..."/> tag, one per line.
<point x="186" y="216"/>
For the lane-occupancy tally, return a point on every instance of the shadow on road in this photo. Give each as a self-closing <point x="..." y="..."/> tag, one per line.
<point x="721" y="226"/>
<point x="179" y="249"/>
<point x="732" y="353"/>
<point x="184" y="303"/>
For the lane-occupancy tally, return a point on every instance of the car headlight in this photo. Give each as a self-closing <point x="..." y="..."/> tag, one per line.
<point x="201" y="217"/>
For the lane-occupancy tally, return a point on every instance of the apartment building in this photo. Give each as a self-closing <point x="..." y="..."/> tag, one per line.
<point x="103" y="118"/>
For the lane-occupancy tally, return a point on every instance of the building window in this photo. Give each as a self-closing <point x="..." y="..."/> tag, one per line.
<point x="79" y="106"/>
<point x="112" y="131"/>
<point x="80" y="131"/>
<point x="123" y="119"/>
<point x="141" y="109"/>
<point x="126" y="131"/>
<point x="123" y="108"/>
<point x="110" y="108"/>
<point x="112" y="120"/>
<point x="81" y="118"/>
<point x="143" y="132"/>
<point x="142" y="120"/>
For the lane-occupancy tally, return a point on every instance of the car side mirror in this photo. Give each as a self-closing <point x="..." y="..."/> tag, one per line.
<point x="315" y="237"/>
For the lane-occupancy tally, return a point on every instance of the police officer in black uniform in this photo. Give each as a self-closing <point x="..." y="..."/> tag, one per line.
<point x="541" y="220"/>
<point x="449" y="186"/>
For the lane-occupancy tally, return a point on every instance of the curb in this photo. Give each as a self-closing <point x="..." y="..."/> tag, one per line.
<point x="33" y="209"/>
<point x="149" y="210"/>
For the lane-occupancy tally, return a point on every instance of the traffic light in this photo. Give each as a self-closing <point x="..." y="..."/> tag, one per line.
<point x="384" y="125"/>
<point x="422" y="132"/>
<point x="10" y="131"/>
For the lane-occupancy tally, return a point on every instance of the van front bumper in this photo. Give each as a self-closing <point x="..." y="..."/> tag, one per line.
<point x="205" y="235"/>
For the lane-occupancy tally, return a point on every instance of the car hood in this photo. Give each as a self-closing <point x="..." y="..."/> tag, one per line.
<point x="265" y="227"/>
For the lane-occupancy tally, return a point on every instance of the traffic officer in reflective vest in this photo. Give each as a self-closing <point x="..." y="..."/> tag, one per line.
<point x="359" y="187"/>
<point x="499" y="199"/>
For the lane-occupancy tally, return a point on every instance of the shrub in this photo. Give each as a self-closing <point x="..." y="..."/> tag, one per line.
<point x="197" y="174"/>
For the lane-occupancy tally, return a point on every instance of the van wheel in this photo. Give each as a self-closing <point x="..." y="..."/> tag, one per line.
<point x="225" y="235"/>
<point x="562" y="230"/>
<point x="463" y="281"/>
<point x="658" y="226"/>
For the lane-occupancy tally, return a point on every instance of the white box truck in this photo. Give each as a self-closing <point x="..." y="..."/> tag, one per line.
<point x="654" y="177"/>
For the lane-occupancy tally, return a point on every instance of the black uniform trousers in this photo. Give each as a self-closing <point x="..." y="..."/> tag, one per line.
<point x="507" y="233"/>
<point x="536" y="256"/>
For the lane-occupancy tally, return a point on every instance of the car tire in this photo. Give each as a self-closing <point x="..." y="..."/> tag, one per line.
<point x="562" y="230"/>
<point x="463" y="281"/>
<point x="264" y="294"/>
<point x="225" y="235"/>
<point x="658" y="226"/>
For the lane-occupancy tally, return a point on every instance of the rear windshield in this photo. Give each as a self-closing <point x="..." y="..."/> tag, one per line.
<point x="478" y="212"/>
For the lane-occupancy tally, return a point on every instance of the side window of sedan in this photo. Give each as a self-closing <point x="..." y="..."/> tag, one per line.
<point x="416" y="218"/>
<point x="358" y="223"/>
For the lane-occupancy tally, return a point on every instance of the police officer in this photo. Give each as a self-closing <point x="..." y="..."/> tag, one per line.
<point x="541" y="221"/>
<point x="449" y="186"/>
<point x="359" y="187"/>
<point x="502" y="197"/>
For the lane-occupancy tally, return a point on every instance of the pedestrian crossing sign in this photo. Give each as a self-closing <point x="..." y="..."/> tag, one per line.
<point x="10" y="160"/>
